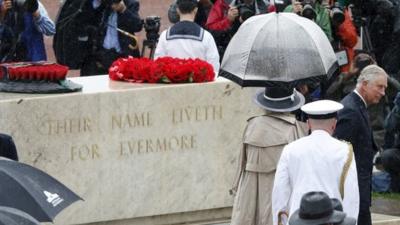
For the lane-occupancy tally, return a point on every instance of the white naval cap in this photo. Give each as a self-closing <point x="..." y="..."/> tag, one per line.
<point x="322" y="109"/>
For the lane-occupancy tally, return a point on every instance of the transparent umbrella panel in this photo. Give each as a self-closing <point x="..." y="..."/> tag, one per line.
<point x="278" y="47"/>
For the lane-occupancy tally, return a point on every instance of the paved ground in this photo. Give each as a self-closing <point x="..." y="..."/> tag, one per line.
<point x="386" y="206"/>
<point x="378" y="219"/>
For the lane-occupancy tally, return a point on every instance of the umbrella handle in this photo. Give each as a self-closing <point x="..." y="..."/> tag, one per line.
<point x="134" y="40"/>
<point x="280" y="214"/>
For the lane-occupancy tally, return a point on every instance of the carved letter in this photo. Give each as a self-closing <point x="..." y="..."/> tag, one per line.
<point x="73" y="153"/>
<point x="61" y="125"/>
<point x="116" y="121"/>
<point x="95" y="151"/>
<point x="161" y="145"/>
<point x="217" y="112"/>
<point x="149" y="121"/>
<point x="87" y="125"/>
<point x="122" y="149"/>
<point x="149" y="145"/>
<point x="173" y="143"/>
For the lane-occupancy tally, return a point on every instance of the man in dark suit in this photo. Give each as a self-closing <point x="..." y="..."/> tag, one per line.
<point x="7" y="147"/>
<point x="110" y="43"/>
<point x="354" y="126"/>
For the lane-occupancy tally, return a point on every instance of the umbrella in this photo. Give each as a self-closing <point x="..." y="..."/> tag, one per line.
<point x="31" y="190"/>
<point x="278" y="47"/>
<point x="11" y="216"/>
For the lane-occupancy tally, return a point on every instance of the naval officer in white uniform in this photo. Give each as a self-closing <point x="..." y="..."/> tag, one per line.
<point x="317" y="162"/>
<point x="186" y="39"/>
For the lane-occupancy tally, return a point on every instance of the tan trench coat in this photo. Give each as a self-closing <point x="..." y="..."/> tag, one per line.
<point x="263" y="141"/>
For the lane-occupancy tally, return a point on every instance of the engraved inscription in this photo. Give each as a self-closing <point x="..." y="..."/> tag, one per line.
<point x="142" y="146"/>
<point x="66" y="126"/>
<point x="124" y="121"/>
<point x="197" y="114"/>
<point x="85" y="152"/>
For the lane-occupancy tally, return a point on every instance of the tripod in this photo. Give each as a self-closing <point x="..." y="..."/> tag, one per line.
<point x="365" y="37"/>
<point x="151" y="45"/>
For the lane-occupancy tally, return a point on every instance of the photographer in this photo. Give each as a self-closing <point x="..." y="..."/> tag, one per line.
<point x="26" y="21"/>
<point x="111" y="44"/>
<point x="225" y="13"/>
<point x="226" y="16"/>
<point x="344" y="36"/>
<point x="380" y="23"/>
<point x="392" y="125"/>
<point x="389" y="158"/>
<point x="186" y="39"/>
<point x="312" y="9"/>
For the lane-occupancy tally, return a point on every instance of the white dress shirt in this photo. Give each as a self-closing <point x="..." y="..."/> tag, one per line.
<point x="359" y="95"/>
<point x="314" y="163"/>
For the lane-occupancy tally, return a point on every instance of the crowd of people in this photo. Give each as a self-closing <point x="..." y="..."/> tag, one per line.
<point x="284" y="161"/>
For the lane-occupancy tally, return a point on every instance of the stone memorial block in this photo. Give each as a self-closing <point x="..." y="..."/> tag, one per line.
<point x="134" y="150"/>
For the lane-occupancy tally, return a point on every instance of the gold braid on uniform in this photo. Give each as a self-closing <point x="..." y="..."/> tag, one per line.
<point x="346" y="168"/>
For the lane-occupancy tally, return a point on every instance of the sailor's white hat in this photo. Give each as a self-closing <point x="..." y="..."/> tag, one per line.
<point x="322" y="109"/>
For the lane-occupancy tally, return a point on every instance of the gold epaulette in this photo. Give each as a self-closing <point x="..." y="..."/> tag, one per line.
<point x="346" y="168"/>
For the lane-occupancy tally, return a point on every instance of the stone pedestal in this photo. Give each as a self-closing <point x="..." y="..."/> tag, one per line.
<point x="137" y="153"/>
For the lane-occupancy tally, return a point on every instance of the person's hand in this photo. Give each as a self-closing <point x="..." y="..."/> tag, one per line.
<point x="119" y="7"/>
<point x="233" y="12"/>
<point x="31" y="6"/>
<point x="6" y="5"/>
<point x="297" y="7"/>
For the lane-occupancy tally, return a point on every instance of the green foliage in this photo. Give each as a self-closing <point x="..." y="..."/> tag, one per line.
<point x="392" y="196"/>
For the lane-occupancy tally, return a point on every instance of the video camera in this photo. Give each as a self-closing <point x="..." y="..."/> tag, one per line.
<point x="362" y="9"/>
<point x="337" y="16"/>
<point x="245" y="11"/>
<point x="308" y="9"/>
<point x="152" y="27"/>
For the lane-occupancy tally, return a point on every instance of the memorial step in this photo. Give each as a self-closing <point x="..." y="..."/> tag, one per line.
<point x="381" y="219"/>
<point x="378" y="219"/>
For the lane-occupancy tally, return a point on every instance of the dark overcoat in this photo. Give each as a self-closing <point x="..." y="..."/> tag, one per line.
<point x="7" y="147"/>
<point x="354" y="126"/>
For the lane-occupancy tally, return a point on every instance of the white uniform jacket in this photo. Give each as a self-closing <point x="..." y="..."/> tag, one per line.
<point x="314" y="163"/>
<point x="188" y="40"/>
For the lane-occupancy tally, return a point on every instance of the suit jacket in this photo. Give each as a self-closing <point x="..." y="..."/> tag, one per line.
<point x="128" y="21"/>
<point x="7" y="147"/>
<point x="353" y="126"/>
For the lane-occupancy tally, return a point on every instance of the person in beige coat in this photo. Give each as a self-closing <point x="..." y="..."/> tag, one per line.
<point x="263" y="141"/>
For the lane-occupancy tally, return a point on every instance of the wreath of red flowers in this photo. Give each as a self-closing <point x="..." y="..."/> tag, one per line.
<point x="161" y="70"/>
<point x="33" y="71"/>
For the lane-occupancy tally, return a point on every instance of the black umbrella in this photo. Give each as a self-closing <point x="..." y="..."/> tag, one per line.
<point x="11" y="216"/>
<point x="31" y="190"/>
